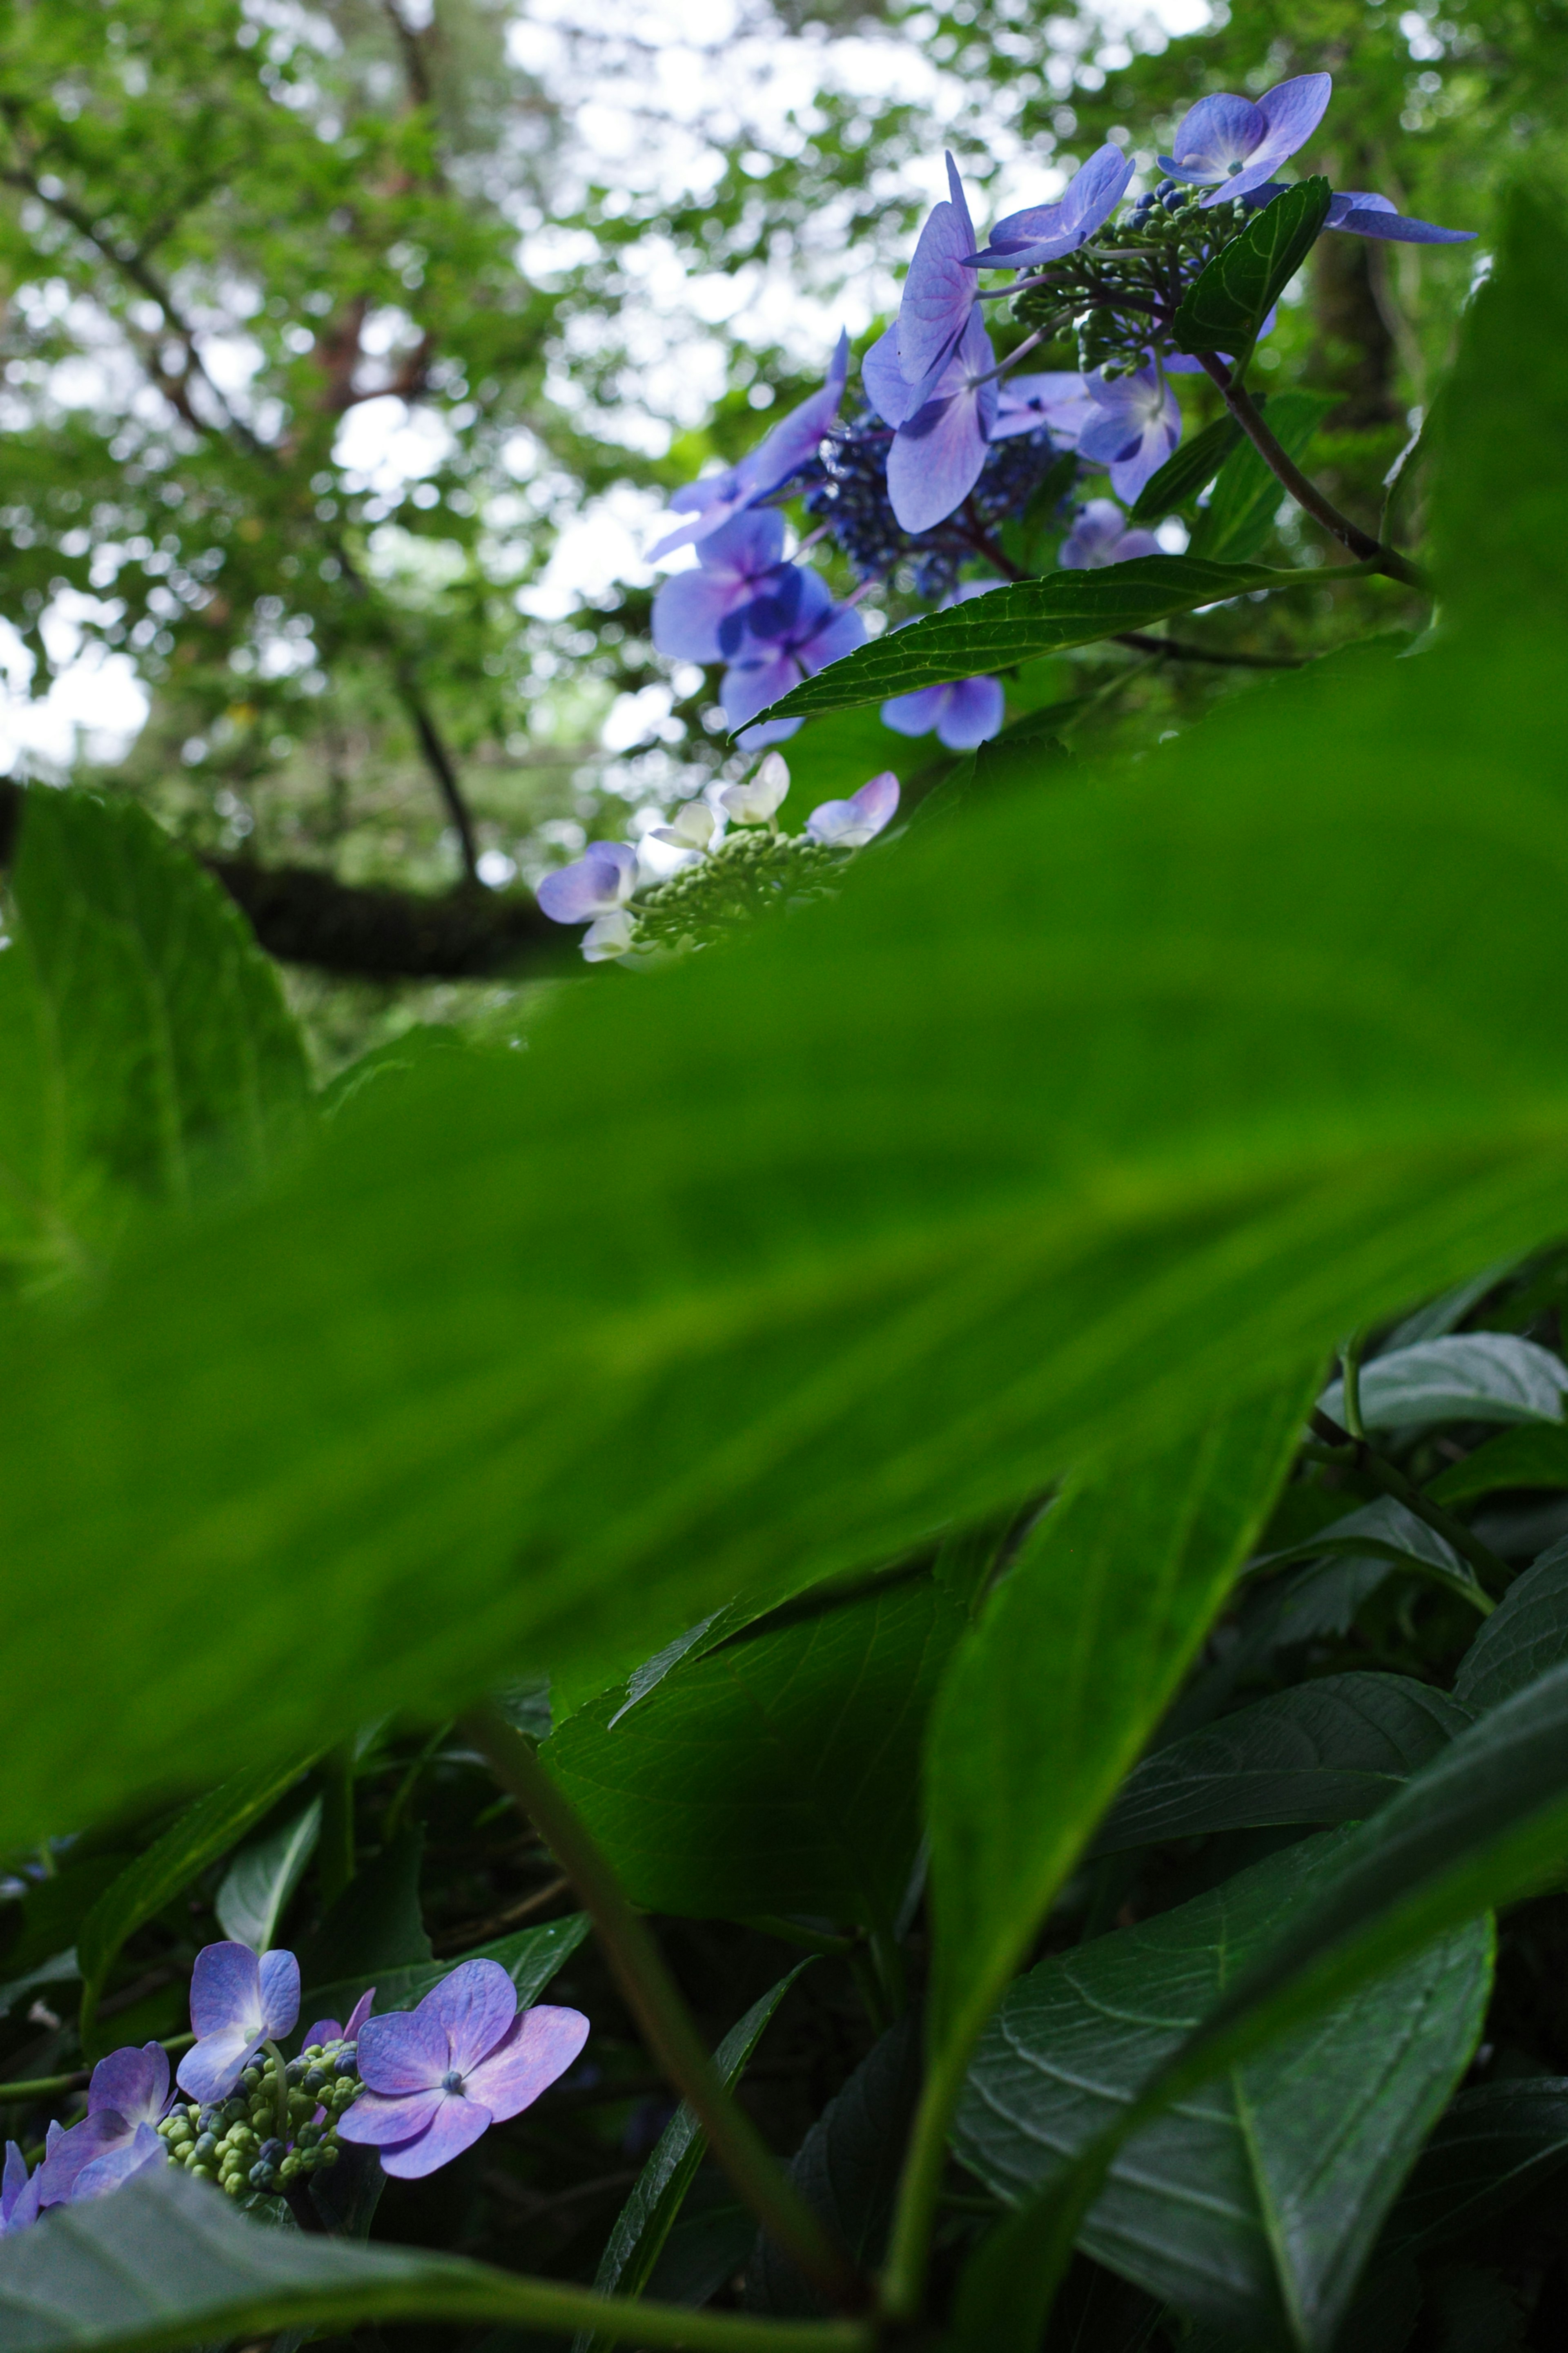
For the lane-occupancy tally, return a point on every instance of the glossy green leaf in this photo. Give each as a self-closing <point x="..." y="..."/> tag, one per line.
<point x="1332" y="1750"/>
<point x="1247" y="493"/>
<point x="1388" y="1530"/>
<point x="531" y="1957"/>
<point x="1227" y="302"/>
<point x="167" y="2261"/>
<point x="141" y="1031"/>
<point x="642" y="2226"/>
<point x="260" y="1882"/>
<point x="1254" y="2202"/>
<point x="777" y="1773"/>
<point x="1016" y="623"/>
<point x="1494" y="2145"/>
<point x="1194" y="465"/>
<point x="1525" y="1637"/>
<point x="205" y="1831"/>
<point x="1532" y="1454"/>
<point x="1468" y="1376"/>
<point x="848" y="2169"/>
<point x="1075" y="1659"/>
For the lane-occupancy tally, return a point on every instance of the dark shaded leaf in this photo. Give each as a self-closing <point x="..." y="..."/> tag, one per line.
<point x="1493" y="2146"/>
<point x="1193" y="465"/>
<point x="1332" y="1750"/>
<point x="847" y="2168"/>
<point x="1227" y="304"/>
<point x="1389" y="1530"/>
<point x="1534" y="1454"/>
<point x="1247" y="493"/>
<point x="531" y="1959"/>
<point x="376" y="1922"/>
<point x="259" y="1882"/>
<point x="1526" y="1635"/>
<point x="1029" y="617"/>
<point x="776" y="1773"/>
<point x="1468" y="1377"/>
<point x="1254" y="2202"/>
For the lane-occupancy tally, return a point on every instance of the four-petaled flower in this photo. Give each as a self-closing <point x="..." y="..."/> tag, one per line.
<point x="1060" y="400"/>
<point x="851" y="824"/>
<point x="694" y="828"/>
<point x="755" y="801"/>
<point x="1230" y="146"/>
<point x="1133" y="427"/>
<point x="238" y="2004"/>
<point x="964" y="712"/>
<point x="1047" y="232"/>
<point x="778" y="640"/>
<point x="1100" y="536"/>
<point x="593" y="890"/>
<point x="438" y="2076"/>
<point x="735" y="564"/>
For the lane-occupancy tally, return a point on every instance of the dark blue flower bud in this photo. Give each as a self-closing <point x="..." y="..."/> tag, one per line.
<point x="205" y="2147"/>
<point x="273" y="2152"/>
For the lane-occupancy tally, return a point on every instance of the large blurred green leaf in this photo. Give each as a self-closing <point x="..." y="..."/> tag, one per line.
<point x="167" y="2261"/>
<point x="1074" y="1662"/>
<point x="1254" y="2202"/>
<point x="1016" y="623"/>
<point x="141" y="1027"/>
<point x="1068" y="1127"/>
<point x="779" y="1772"/>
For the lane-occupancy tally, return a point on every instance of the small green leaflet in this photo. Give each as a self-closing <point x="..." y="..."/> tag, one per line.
<point x="1030" y="617"/>
<point x="1247" y="493"/>
<point x="644" y="2221"/>
<point x="1184" y="473"/>
<point x="1525" y="1637"/>
<point x="1532" y="1454"/>
<point x="262" y="1877"/>
<point x="1227" y="303"/>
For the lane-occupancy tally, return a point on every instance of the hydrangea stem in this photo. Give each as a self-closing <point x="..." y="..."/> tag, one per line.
<point x="655" y="2001"/>
<point x="280" y="2093"/>
<point x="1305" y="491"/>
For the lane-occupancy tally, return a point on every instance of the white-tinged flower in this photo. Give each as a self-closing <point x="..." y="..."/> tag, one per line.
<point x="694" y="825"/>
<point x="754" y="803"/>
<point x="608" y="938"/>
<point x="598" y="883"/>
<point x="851" y="824"/>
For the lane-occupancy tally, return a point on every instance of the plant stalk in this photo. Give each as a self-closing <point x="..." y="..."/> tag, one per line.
<point x="655" y="2001"/>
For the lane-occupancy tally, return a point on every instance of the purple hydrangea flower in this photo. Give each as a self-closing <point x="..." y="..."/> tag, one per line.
<point x="438" y="2076"/>
<point x="238" y="2004"/>
<point x="734" y="566"/>
<point x="793" y="443"/>
<point x="598" y="884"/>
<point x="1047" y="232"/>
<point x="780" y="640"/>
<point x="1364" y="215"/>
<point x="1229" y="146"/>
<point x="965" y="712"/>
<point x="1060" y="400"/>
<point x="883" y="381"/>
<point x="1100" y="536"/>
<point x="938" y="451"/>
<point x="851" y="824"/>
<point x="1134" y="426"/>
<point x="327" y="2030"/>
<point x="131" y="2153"/>
<point x="939" y="290"/>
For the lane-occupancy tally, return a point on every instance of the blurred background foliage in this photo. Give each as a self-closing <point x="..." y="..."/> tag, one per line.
<point x="348" y="351"/>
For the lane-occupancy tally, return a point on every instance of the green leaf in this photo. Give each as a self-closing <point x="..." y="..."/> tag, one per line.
<point x="644" y="2221"/>
<point x="531" y="1959"/>
<point x="260" y="1882"/>
<point x="1332" y="1750"/>
<point x="1029" y="617"/>
<point x="778" y="1773"/>
<point x="167" y="2261"/>
<point x="1192" y="467"/>
<point x="1524" y="1638"/>
<point x="205" y="1831"/>
<point x="1239" y="516"/>
<point x="1255" y="2205"/>
<point x="1388" y="1530"/>
<point x="377" y="1921"/>
<point x="1468" y="1376"/>
<point x="53" y="1910"/>
<point x="142" y="1032"/>
<point x="1078" y="1652"/>
<point x="1227" y="304"/>
<point x="1532" y="1454"/>
<point x="1494" y="2145"/>
<point x="848" y="2169"/>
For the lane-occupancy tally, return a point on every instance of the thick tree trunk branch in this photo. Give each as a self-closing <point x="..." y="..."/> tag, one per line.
<point x="302" y="915"/>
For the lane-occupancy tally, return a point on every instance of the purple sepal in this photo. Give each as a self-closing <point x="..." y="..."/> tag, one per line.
<point x="734" y="564"/>
<point x="1058" y="400"/>
<point x="358" y="2014"/>
<point x="135" y="2084"/>
<point x="1231" y="147"/>
<point x="1100" y="536"/>
<point x="18" y="2195"/>
<point x="882" y="379"/>
<point x="791" y="444"/>
<point x="851" y="824"/>
<point x="786" y="648"/>
<point x="939" y="290"/>
<point x="964" y="712"/>
<point x="598" y="883"/>
<point x="1047" y="232"/>
<point x="1135" y="425"/>
<point x="133" y="2154"/>
<point x="938" y="453"/>
<point x="1364" y="215"/>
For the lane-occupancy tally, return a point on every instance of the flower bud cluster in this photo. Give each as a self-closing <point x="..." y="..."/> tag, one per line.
<point x="748" y="874"/>
<point x="237" y="2142"/>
